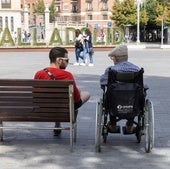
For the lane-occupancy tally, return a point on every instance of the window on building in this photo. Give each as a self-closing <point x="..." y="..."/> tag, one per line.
<point x="89" y="6"/>
<point x="5" y="3"/>
<point x="65" y="7"/>
<point x="12" y="23"/>
<point x="1" y="23"/>
<point x="75" y="8"/>
<point x="105" y="17"/>
<point x="58" y="18"/>
<point x="58" y="8"/>
<point x="65" y="18"/>
<point x="105" y="6"/>
<point x="89" y="17"/>
<point x="75" y="18"/>
<point x="6" y="22"/>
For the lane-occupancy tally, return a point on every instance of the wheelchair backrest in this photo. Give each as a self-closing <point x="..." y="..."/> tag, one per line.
<point x="131" y="77"/>
<point x="124" y="93"/>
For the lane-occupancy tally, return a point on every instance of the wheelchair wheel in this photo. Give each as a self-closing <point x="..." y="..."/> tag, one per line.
<point x="1" y="131"/>
<point x="149" y="126"/>
<point x="98" y="126"/>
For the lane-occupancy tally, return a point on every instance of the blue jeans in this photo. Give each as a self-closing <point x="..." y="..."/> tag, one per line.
<point x="78" y="52"/>
<point x="90" y="55"/>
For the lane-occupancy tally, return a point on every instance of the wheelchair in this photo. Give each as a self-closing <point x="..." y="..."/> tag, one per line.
<point x="124" y="98"/>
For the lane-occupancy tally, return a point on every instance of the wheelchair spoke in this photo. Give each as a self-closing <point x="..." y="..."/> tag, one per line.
<point x="98" y="126"/>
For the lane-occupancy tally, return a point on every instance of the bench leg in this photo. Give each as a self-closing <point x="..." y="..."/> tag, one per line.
<point x="71" y="138"/>
<point x="75" y="132"/>
<point x="1" y="131"/>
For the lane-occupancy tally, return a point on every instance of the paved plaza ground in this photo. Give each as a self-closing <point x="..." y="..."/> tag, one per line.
<point x="30" y="149"/>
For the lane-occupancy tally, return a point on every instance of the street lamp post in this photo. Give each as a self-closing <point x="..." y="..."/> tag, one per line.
<point x="162" y="33"/>
<point x="138" y="21"/>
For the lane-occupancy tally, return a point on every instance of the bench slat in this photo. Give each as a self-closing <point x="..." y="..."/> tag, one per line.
<point x="35" y="119"/>
<point x="35" y="83"/>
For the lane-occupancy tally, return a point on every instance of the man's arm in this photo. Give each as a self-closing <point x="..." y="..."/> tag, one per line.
<point x="104" y="77"/>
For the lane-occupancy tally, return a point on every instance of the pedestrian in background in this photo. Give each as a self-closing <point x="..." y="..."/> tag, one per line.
<point x="88" y="47"/>
<point x="79" y="48"/>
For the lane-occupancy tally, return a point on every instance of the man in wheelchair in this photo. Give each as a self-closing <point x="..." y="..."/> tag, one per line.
<point x="109" y="80"/>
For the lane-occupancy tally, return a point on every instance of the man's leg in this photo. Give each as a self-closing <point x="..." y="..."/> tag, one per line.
<point x="112" y="125"/>
<point x="129" y="125"/>
<point x="57" y="132"/>
<point x="84" y="96"/>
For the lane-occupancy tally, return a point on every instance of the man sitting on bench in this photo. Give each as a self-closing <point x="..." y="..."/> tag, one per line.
<point x="56" y="71"/>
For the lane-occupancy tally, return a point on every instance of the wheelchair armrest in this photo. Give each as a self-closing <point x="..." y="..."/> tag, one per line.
<point x="146" y="87"/>
<point x="103" y="87"/>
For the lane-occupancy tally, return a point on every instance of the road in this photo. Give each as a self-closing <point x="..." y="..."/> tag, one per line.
<point x="39" y="149"/>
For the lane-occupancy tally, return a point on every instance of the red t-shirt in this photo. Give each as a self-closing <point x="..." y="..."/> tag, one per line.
<point x="59" y="74"/>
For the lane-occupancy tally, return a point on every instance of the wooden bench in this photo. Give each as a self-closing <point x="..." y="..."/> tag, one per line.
<point x="28" y="100"/>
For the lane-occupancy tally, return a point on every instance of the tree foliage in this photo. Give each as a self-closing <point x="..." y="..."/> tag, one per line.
<point x="151" y="12"/>
<point x="39" y="7"/>
<point x="163" y="10"/>
<point x="125" y="13"/>
<point x="53" y="12"/>
<point x="151" y="7"/>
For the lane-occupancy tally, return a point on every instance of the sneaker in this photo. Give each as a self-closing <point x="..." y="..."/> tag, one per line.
<point x="76" y="64"/>
<point x="90" y="64"/>
<point x="112" y="128"/>
<point x="129" y="129"/>
<point x="82" y="64"/>
<point x="57" y="132"/>
<point x="86" y="61"/>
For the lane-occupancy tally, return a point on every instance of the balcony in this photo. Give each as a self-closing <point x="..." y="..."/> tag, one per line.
<point x="6" y="5"/>
<point x="57" y="1"/>
<point x="89" y="9"/>
<point x="75" y="10"/>
<point x="104" y="9"/>
<point x="88" y="0"/>
<point x="74" y="1"/>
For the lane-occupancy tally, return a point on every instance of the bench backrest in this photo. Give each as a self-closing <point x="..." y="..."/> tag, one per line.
<point x="36" y="100"/>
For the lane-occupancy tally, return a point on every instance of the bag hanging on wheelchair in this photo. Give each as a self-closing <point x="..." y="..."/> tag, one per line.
<point x="123" y="99"/>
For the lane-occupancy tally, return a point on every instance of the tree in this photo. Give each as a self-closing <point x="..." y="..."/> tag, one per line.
<point x="125" y="13"/>
<point x="39" y="7"/>
<point x="163" y="10"/>
<point x="151" y="7"/>
<point x="53" y="12"/>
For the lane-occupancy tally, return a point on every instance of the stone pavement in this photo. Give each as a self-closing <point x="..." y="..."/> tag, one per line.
<point x="31" y="149"/>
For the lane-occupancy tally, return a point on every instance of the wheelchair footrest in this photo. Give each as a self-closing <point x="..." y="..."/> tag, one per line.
<point x="116" y="130"/>
<point x="125" y="132"/>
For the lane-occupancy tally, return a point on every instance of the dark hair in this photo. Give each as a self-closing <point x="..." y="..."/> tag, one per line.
<point x="88" y="32"/>
<point x="57" y="52"/>
<point x="77" y="32"/>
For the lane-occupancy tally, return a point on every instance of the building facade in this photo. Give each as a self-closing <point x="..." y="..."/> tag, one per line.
<point x="10" y="14"/>
<point x="30" y="5"/>
<point x="93" y="13"/>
